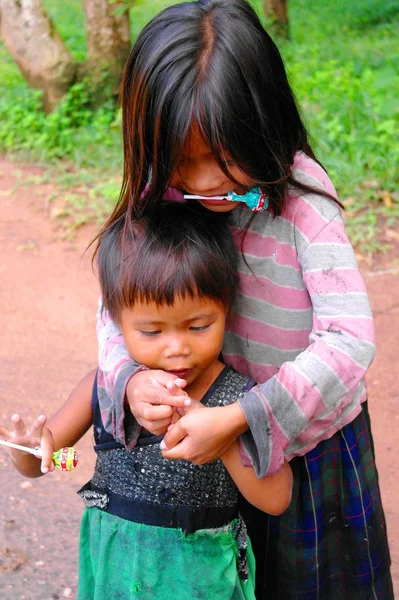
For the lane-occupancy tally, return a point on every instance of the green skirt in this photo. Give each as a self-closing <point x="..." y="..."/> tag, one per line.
<point x="124" y="560"/>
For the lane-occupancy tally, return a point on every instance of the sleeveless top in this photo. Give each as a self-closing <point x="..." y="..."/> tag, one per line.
<point x="140" y="485"/>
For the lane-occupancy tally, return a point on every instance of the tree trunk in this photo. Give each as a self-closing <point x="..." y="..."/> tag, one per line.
<point x="108" y="45"/>
<point x="36" y="47"/>
<point x="277" y="10"/>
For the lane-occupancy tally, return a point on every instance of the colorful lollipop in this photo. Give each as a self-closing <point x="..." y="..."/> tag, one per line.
<point x="255" y="198"/>
<point x="64" y="459"/>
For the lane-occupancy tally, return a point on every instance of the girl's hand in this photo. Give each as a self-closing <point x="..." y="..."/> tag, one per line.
<point x="37" y="435"/>
<point x="152" y="397"/>
<point x="204" y="434"/>
<point x="180" y="412"/>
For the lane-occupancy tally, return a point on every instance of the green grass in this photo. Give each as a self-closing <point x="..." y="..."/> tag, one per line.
<point x="342" y="63"/>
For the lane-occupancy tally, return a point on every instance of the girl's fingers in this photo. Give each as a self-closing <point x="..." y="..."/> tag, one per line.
<point x="156" y="427"/>
<point x="175" y="435"/>
<point x="148" y="412"/>
<point x="163" y="378"/>
<point x="163" y="396"/>
<point x="178" y="452"/>
<point x="194" y="405"/>
<point x="175" y="387"/>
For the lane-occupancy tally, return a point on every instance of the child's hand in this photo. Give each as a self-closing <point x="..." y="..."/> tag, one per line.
<point x="180" y="412"/>
<point x="152" y="396"/>
<point x="37" y="435"/>
<point x="204" y="433"/>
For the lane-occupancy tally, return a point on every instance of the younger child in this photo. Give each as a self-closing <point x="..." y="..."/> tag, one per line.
<point x="156" y="528"/>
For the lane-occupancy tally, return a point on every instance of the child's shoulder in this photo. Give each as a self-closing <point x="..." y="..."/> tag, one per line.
<point x="306" y="215"/>
<point x="308" y="171"/>
<point x="309" y="212"/>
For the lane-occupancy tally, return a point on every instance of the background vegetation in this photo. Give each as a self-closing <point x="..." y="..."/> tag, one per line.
<point x="342" y="62"/>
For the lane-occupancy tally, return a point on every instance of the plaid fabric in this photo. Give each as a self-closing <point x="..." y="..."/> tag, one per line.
<point x="331" y="544"/>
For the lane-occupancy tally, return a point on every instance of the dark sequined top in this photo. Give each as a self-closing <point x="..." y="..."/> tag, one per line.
<point x="139" y="484"/>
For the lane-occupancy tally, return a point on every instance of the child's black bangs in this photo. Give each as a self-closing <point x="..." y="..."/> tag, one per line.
<point x="176" y="250"/>
<point x="162" y="281"/>
<point x="160" y="277"/>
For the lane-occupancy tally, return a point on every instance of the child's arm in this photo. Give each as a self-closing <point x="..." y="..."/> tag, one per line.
<point x="65" y="428"/>
<point x="272" y="494"/>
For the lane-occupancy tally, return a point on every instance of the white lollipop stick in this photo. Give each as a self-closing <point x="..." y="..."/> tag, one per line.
<point x="35" y="451"/>
<point x="190" y="197"/>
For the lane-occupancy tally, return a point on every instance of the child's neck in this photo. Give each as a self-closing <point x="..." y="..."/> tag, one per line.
<point x="198" y="388"/>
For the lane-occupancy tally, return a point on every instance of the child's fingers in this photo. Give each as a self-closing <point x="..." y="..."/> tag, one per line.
<point x="163" y="396"/>
<point x="171" y="393"/>
<point x="175" y="387"/>
<point x="149" y="412"/>
<point x="194" y="405"/>
<point x="36" y="428"/>
<point x="5" y="434"/>
<point x="174" y="435"/>
<point x="18" y="425"/>
<point x="47" y="448"/>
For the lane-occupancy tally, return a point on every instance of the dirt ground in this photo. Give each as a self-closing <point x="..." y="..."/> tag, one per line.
<point x="48" y="297"/>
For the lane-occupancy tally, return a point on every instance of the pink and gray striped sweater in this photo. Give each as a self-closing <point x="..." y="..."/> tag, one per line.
<point x="302" y="328"/>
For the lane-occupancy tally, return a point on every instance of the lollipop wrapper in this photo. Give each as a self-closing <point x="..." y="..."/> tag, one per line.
<point x="65" y="459"/>
<point x="255" y="199"/>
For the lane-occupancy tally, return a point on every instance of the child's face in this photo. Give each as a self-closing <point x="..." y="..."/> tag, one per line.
<point x="184" y="339"/>
<point x="198" y="173"/>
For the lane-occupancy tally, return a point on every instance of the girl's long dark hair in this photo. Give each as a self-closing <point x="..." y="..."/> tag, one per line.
<point x="212" y="63"/>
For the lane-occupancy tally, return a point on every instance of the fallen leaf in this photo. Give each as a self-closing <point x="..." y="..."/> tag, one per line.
<point x="391" y="234"/>
<point x="386" y="198"/>
<point x="25" y="485"/>
<point x="11" y="559"/>
<point x="370" y="183"/>
<point x="24" y="247"/>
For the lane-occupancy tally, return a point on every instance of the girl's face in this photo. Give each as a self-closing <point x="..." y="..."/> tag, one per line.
<point x="184" y="339"/>
<point x="198" y="173"/>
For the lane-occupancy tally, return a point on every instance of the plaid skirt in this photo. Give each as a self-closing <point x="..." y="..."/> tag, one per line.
<point x="331" y="543"/>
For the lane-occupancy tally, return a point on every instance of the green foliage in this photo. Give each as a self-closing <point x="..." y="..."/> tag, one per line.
<point x="346" y="77"/>
<point x="72" y="130"/>
<point x="342" y="63"/>
<point x="68" y="17"/>
<point x="373" y="12"/>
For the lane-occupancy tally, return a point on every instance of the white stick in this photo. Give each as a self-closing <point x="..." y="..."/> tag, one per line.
<point x="35" y="451"/>
<point x="188" y="197"/>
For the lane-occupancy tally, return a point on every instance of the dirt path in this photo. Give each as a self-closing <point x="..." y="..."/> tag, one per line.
<point x="48" y="300"/>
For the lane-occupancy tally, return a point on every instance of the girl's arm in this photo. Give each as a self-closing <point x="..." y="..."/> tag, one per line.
<point x="115" y="370"/>
<point x="65" y="428"/>
<point x="272" y="494"/>
<point x="321" y="390"/>
<point x="315" y="395"/>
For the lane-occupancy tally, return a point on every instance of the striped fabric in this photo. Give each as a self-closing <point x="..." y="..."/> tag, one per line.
<point x="331" y="543"/>
<point x="302" y="328"/>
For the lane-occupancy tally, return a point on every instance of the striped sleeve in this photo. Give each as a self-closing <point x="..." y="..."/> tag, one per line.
<point x="320" y="391"/>
<point x="115" y="370"/>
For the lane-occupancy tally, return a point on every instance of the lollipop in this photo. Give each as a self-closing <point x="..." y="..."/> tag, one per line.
<point x="64" y="459"/>
<point x="255" y="199"/>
